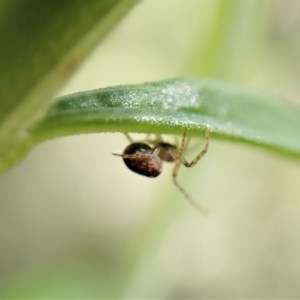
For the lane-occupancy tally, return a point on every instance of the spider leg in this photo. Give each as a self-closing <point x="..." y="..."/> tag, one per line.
<point x="130" y="141"/>
<point x="128" y="137"/>
<point x="118" y="154"/>
<point x="157" y="139"/>
<point x="199" y="156"/>
<point x="183" y="191"/>
<point x="185" y="144"/>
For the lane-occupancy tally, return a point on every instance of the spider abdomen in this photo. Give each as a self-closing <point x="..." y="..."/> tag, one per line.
<point x="139" y="158"/>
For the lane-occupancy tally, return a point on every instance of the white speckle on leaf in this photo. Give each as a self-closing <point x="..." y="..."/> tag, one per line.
<point x="179" y="95"/>
<point x="89" y="103"/>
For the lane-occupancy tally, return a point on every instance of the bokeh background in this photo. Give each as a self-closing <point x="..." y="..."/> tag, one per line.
<point x="75" y="223"/>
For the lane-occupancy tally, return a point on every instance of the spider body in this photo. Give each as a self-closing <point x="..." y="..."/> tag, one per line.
<point x="166" y="151"/>
<point x="145" y="160"/>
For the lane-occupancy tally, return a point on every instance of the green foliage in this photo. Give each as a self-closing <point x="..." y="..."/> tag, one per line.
<point x="173" y="106"/>
<point x="165" y="107"/>
<point x="42" y="45"/>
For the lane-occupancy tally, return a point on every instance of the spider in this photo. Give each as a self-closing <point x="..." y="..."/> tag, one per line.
<point x="147" y="160"/>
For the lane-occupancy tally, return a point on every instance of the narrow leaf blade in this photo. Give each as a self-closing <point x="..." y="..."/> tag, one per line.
<point x="173" y="106"/>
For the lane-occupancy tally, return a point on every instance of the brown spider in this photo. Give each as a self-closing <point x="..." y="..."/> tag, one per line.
<point x="145" y="160"/>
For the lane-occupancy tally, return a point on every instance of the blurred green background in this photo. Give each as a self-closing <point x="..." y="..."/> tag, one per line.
<point x="76" y="223"/>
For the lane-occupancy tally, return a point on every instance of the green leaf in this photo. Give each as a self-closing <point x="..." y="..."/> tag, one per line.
<point x="42" y="44"/>
<point x="171" y="107"/>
